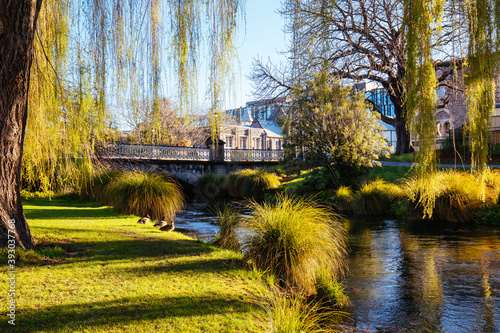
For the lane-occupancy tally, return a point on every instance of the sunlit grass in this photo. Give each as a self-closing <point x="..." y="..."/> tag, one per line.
<point x="293" y="314"/>
<point x="456" y="195"/>
<point x="96" y="271"/>
<point x="252" y="184"/>
<point x="376" y="197"/>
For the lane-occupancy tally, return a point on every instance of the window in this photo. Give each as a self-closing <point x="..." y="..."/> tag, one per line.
<point x="230" y="141"/>
<point x="243" y="143"/>
<point x="256" y="143"/>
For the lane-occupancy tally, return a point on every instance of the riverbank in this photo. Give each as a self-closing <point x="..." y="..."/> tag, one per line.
<point x="98" y="271"/>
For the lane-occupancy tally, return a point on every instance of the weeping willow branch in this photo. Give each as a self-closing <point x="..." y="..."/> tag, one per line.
<point x="482" y="61"/>
<point x="420" y="23"/>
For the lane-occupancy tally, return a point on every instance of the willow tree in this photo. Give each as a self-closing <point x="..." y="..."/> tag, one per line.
<point x="482" y="62"/>
<point x="421" y="20"/>
<point x="90" y="54"/>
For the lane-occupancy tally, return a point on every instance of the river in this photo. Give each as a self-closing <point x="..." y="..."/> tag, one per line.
<point x="410" y="276"/>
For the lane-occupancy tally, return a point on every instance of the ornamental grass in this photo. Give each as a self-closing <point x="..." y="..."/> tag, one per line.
<point x="343" y="198"/>
<point x="376" y="197"/>
<point x="141" y="193"/>
<point x="227" y="220"/>
<point x="212" y="186"/>
<point x="294" y="239"/>
<point x="292" y="314"/>
<point x="452" y="196"/>
<point x="251" y="184"/>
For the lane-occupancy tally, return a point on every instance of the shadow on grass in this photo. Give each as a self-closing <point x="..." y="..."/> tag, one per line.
<point x="102" y="316"/>
<point x="194" y="265"/>
<point x="122" y="250"/>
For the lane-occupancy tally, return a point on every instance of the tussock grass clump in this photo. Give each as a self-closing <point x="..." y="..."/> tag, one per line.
<point x="140" y="193"/>
<point x="376" y="197"/>
<point x="228" y="221"/>
<point x="96" y="186"/>
<point x="289" y="314"/>
<point x="453" y="196"/>
<point x="251" y="183"/>
<point x="293" y="239"/>
<point x="330" y="290"/>
<point x="343" y="198"/>
<point x="213" y="186"/>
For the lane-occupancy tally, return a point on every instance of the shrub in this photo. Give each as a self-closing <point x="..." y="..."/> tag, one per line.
<point x="489" y="215"/>
<point x="251" y="183"/>
<point x="293" y="239"/>
<point x="376" y="197"/>
<point x="228" y="220"/>
<point x="142" y="193"/>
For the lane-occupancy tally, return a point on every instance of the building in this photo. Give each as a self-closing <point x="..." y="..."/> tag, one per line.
<point x="255" y="126"/>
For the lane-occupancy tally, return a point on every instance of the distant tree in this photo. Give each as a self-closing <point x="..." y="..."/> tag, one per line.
<point x="358" y="40"/>
<point x="333" y="126"/>
<point x="174" y="128"/>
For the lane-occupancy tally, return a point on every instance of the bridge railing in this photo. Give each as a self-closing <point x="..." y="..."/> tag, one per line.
<point x="157" y="152"/>
<point x="187" y="153"/>
<point x="253" y="155"/>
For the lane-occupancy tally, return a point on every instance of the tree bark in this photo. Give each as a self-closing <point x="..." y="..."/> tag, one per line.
<point x="17" y="30"/>
<point x="403" y="144"/>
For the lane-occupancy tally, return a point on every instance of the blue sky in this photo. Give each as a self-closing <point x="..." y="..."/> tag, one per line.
<point x="262" y="37"/>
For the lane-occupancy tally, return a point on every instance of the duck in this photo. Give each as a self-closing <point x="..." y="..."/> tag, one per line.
<point x="145" y="219"/>
<point x="165" y="225"/>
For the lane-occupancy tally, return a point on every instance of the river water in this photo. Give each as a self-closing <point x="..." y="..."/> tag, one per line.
<point x="410" y="276"/>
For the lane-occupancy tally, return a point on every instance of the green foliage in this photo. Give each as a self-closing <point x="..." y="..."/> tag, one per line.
<point x="334" y="126"/>
<point x="391" y="174"/>
<point x="142" y="193"/>
<point x="376" y="197"/>
<point x="489" y="215"/>
<point x="228" y="220"/>
<point x="406" y="158"/>
<point x="52" y="252"/>
<point x="293" y="239"/>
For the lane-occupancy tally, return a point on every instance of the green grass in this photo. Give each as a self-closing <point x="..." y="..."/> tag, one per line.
<point x="96" y="271"/>
<point x="391" y="174"/>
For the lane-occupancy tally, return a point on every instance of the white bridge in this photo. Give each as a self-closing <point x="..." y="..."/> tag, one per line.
<point x="170" y="153"/>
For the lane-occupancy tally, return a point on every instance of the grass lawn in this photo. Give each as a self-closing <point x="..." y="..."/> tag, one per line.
<point x="97" y="271"/>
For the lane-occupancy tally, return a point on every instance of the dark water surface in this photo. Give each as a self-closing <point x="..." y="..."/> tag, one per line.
<point x="411" y="277"/>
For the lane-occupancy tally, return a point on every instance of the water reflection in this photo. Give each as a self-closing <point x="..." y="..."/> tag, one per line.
<point x="414" y="276"/>
<point x="411" y="277"/>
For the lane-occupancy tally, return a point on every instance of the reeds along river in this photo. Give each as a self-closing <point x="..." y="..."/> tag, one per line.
<point x="413" y="276"/>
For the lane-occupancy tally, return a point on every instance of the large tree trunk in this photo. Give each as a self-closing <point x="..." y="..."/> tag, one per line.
<point x="403" y="144"/>
<point x="17" y="28"/>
